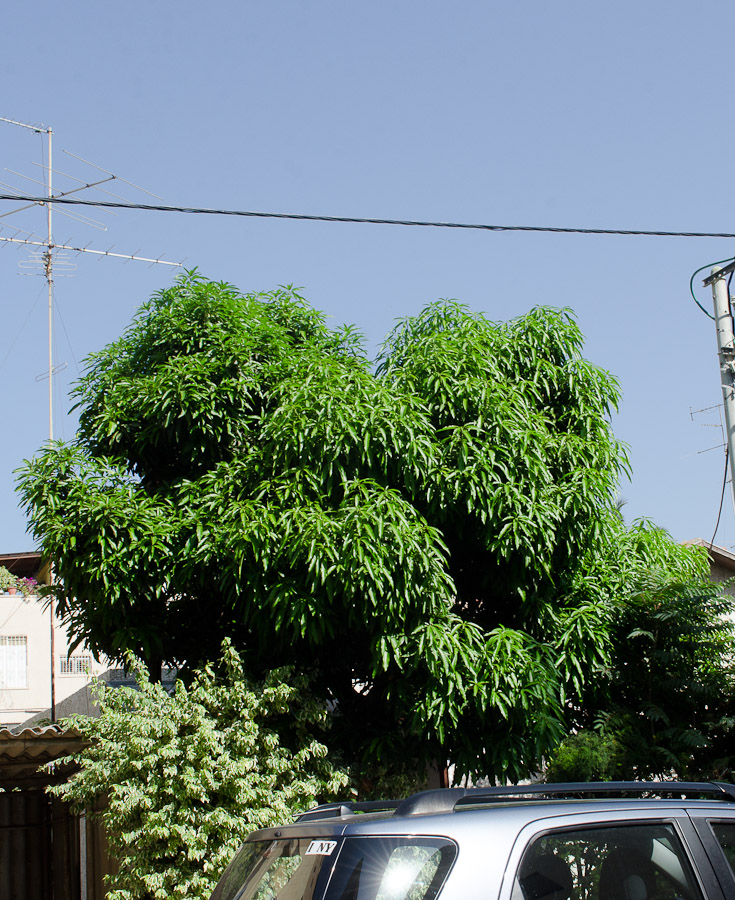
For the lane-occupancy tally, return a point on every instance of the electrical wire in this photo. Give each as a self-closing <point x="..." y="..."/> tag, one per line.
<point x="11" y="347"/>
<point x="108" y="204"/>
<point x="193" y="210"/>
<point x="57" y="307"/>
<point x="719" y="262"/>
<point x="722" y="497"/>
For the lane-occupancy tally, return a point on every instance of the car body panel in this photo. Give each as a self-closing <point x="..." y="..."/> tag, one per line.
<point x="492" y="837"/>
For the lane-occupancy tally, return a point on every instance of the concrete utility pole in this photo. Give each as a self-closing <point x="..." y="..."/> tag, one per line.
<point x="726" y="353"/>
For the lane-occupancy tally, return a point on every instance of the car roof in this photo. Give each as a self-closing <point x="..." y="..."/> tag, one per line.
<point x="451" y="811"/>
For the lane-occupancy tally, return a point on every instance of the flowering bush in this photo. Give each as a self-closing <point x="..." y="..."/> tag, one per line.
<point x="28" y="586"/>
<point x="187" y="775"/>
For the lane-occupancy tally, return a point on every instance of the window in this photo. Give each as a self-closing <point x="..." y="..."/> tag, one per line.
<point x="629" y="862"/>
<point x="13" y="661"/>
<point x="391" y="869"/>
<point x="81" y="664"/>
<point x="365" y="868"/>
<point x="725" y="834"/>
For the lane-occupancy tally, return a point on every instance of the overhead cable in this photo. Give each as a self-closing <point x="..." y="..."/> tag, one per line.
<point x="719" y="262"/>
<point x="722" y="498"/>
<point x="193" y="210"/>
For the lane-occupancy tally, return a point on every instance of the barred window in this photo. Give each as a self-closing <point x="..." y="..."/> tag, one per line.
<point x="118" y="675"/>
<point x="79" y="664"/>
<point x="123" y="676"/>
<point x="14" y="661"/>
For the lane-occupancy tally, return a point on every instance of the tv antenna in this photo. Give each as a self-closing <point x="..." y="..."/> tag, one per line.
<point x="718" y="408"/>
<point x="52" y="258"/>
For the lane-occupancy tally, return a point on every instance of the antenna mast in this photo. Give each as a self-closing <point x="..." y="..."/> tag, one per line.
<point x="47" y="260"/>
<point x="48" y="264"/>
<point x="49" y="246"/>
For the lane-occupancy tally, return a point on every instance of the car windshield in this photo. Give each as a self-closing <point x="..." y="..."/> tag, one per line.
<point x="365" y="868"/>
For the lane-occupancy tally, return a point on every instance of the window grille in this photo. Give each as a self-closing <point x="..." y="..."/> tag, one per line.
<point x="80" y="664"/>
<point x="123" y="676"/>
<point x="14" y="661"/>
<point x="117" y="675"/>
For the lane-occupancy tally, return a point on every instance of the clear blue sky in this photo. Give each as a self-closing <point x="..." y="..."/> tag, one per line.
<point x="571" y="114"/>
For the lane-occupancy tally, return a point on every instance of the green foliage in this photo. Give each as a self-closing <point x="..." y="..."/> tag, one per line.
<point x="664" y="702"/>
<point x="181" y="778"/>
<point x="418" y="535"/>
<point x="7" y="579"/>
<point x="673" y="683"/>
<point x="525" y="459"/>
<point x="586" y="756"/>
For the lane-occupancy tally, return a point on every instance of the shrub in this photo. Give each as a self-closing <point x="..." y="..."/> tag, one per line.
<point x="181" y="777"/>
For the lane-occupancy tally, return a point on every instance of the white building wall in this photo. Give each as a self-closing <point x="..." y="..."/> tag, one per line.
<point x="26" y="617"/>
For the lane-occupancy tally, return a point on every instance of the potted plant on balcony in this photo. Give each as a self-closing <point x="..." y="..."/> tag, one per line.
<point x="8" y="581"/>
<point x="28" y="586"/>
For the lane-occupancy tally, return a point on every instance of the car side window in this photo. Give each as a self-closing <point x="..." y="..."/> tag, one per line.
<point x="725" y="834"/>
<point x="626" y="862"/>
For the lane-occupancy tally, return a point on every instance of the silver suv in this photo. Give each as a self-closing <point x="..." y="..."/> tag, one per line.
<point x="603" y="841"/>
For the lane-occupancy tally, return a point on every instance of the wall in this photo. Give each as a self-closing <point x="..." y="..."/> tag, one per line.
<point x="27" y="617"/>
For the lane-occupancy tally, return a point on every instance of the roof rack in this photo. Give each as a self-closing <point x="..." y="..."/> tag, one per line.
<point x="327" y="810"/>
<point x="446" y="800"/>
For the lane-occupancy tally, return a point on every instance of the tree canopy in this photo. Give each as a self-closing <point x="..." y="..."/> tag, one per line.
<point x="665" y="702"/>
<point x="419" y="535"/>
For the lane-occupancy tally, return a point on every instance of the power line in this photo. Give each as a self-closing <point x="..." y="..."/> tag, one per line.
<point x="719" y="262"/>
<point x="193" y="210"/>
<point x="722" y="498"/>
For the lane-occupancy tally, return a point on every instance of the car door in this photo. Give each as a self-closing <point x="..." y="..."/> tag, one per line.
<point x="716" y="829"/>
<point x="624" y="854"/>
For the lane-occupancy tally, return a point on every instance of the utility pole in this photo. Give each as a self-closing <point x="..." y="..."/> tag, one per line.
<point x="726" y="353"/>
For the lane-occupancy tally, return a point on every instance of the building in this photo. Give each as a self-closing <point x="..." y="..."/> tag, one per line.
<point x="39" y="679"/>
<point x="47" y="849"/>
<point x="721" y="562"/>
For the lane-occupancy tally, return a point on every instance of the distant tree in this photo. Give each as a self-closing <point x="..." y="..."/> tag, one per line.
<point x="178" y="780"/>
<point x="419" y="535"/>
<point x="586" y="756"/>
<point x="665" y="704"/>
